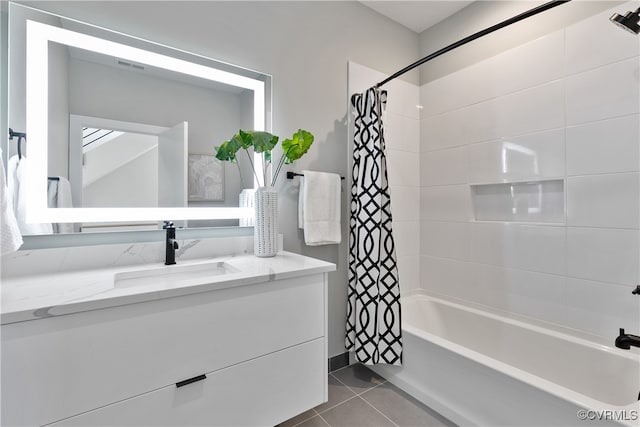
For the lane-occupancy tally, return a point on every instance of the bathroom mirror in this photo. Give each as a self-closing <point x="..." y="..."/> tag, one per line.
<point x="121" y="119"/>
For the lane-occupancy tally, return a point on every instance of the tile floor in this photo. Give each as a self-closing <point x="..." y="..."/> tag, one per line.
<point x="359" y="397"/>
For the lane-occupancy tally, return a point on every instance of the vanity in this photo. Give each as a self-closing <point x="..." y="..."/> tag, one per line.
<point x="228" y="341"/>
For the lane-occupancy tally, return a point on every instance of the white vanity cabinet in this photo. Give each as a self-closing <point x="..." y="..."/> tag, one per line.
<point x="257" y="352"/>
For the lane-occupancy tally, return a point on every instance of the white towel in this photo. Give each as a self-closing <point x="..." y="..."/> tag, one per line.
<point x="11" y="237"/>
<point x="246" y="200"/>
<point x="59" y="196"/>
<point x="319" y="208"/>
<point x="17" y="171"/>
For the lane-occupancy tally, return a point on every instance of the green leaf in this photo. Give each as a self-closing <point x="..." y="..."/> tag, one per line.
<point x="297" y="146"/>
<point x="245" y="139"/>
<point x="227" y="150"/>
<point x="267" y="156"/>
<point x="263" y="141"/>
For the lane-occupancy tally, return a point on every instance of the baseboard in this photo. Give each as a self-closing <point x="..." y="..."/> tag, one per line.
<point x="339" y="361"/>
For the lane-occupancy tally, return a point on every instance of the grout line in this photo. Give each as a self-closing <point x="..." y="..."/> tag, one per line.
<point x="337" y="404"/>
<point x="307" y="419"/>
<point x="598" y="67"/>
<point x="582" y="175"/>
<point x="604" y="119"/>
<point x="380" y="412"/>
<point x="325" y="421"/>
<point x="350" y="389"/>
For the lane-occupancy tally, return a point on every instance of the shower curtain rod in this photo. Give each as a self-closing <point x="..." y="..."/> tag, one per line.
<point x="472" y="37"/>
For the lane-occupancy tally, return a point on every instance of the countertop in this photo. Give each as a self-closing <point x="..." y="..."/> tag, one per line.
<point x="55" y="294"/>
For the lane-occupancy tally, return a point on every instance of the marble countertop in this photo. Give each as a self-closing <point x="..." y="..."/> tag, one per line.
<point x="54" y="294"/>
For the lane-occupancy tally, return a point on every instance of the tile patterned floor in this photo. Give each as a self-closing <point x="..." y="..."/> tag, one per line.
<point x="360" y="397"/>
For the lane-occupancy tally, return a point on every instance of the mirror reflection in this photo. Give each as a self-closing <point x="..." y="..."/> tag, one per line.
<point x="128" y="135"/>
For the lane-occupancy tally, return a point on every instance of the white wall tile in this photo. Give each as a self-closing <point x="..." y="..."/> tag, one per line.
<point x="536" y="155"/>
<point x="604" y="200"/>
<point x="447" y="166"/>
<point x="410" y="135"/>
<point x="532" y="294"/>
<point x="446" y="203"/>
<point x="451" y="129"/>
<point x="606" y="146"/>
<point x="528" y="111"/>
<point x="601" y="308"/>
<point x="606" y="92"/>
<point x="405" y="203"/>
<point x="531" y="110"/>
<point x="410" y="100"/>
<point x="483" y="121"/>
<point x="554" y="273"/>
<point x="403" y="98"/>
<point x="406" y="236"/>
<point x="445" y="239"/>
<point x="403" y="168"/>
<point x="526" y="247"/>
<point x="604" y="255"/>
<point x="393" y="130"/>
<point x="401" y="133"/>
<point x="408" y="272"/>
<point x="446" y="93"/>
<point x="511" y="71"/>
<point x="447" y="277"/>
<point x="595" y="41"/>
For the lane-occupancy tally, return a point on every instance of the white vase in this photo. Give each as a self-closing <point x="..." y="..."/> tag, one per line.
<point x="265" y="230"/>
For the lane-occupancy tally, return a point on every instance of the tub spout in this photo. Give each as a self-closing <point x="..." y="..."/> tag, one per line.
<point x="625" y="341"/>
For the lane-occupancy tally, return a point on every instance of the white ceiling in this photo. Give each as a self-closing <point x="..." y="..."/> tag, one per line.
<point x="417" y="15"/>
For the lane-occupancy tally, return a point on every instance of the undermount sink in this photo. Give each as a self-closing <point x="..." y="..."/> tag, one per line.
<point x="173" y="274"/>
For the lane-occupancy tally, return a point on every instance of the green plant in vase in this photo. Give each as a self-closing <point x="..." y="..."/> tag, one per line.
<point x="265" y="197"/>
<point x="263" y="143"/>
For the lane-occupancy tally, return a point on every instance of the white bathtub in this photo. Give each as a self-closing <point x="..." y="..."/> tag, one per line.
<point x="477" y="368"/>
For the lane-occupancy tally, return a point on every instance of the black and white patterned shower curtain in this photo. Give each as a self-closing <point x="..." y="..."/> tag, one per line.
<point x="373" y="308"/>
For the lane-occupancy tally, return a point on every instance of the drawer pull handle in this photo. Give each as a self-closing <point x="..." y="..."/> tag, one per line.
<point x="191" y="380"/>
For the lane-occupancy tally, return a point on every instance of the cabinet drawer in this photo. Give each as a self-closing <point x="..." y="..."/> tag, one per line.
<point x="261" y="392"/>
<point x="58" y="367"/>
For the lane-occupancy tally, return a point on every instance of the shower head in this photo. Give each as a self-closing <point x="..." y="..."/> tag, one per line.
<point x="628" y="21"/>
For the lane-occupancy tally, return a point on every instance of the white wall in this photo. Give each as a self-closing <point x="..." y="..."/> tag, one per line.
<point x="572" y="99"/>
<point x="305" y="46"/>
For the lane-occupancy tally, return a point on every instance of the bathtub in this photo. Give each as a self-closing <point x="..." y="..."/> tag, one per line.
<point x="479" y="368"/>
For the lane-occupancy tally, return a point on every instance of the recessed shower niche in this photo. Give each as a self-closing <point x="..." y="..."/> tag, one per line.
<point x="529" y="201"/>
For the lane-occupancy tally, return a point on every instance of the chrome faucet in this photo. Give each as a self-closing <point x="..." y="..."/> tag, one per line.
<point x="171" y="244"/>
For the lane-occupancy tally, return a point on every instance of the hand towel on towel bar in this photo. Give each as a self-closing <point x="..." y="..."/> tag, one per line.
<point x="319" y="208"/>
<point x="59" y="196"/>
<point x="11" y="237"/>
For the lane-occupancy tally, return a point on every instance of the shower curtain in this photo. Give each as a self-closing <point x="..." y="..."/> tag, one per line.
<point x="373" y="328"/>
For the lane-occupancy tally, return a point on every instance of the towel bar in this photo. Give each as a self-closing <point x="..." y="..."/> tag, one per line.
<point x="291" y="175"/>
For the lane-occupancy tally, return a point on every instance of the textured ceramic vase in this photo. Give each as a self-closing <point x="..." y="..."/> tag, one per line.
<point x="265" y="230"/>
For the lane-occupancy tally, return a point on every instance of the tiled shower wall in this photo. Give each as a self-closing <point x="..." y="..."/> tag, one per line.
<point x="562" y="107"/>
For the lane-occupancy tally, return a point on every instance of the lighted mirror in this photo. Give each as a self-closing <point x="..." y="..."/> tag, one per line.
<point x="130" y="124"/>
